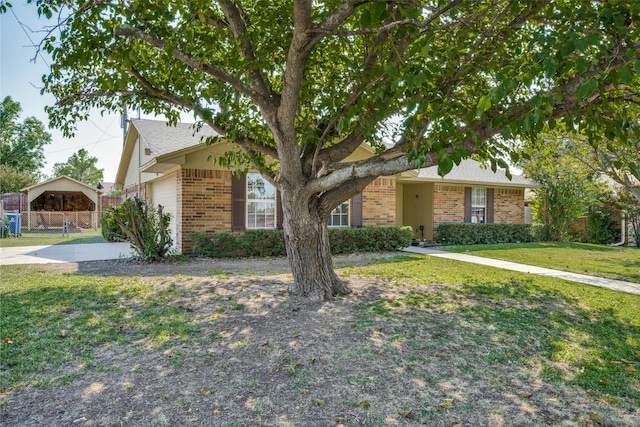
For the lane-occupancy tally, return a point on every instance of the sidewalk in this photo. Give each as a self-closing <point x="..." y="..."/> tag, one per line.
<point x="64" y="253"/>
<point x="618" y="285"/>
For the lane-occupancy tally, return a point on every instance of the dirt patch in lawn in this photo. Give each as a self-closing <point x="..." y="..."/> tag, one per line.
<point x="259" y="357"/>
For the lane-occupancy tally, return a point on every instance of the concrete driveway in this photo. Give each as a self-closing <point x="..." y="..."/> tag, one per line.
<point x="64" y="253"/>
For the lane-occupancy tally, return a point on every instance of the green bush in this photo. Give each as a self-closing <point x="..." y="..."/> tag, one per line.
<point x="369" y="239"/>
<point x="600" y="227"/>
<point x="471" y="234"/>
<point x="147" y="229"/>
<point x="111" y="231"/>
<point x="271" y="242"/>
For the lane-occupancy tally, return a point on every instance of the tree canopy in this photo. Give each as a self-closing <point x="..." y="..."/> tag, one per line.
<point x="82" y="167"/>
<point x="22" y="146"/>
<point x="297" y="86"/>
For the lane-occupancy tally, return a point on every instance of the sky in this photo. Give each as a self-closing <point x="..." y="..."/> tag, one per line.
<point x="21" y="78"/>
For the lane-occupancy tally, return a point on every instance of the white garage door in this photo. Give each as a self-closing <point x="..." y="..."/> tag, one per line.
<point x="164" y="193"/>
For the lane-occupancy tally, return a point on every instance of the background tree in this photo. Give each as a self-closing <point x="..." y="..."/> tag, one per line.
<point x="615" y="154"/>
<point x="82" y="167"/>
<point x="12" y="181"/>
<point x="21" y="147"/>
<point x="568" y="190"/>
<point x="298" y="85"/>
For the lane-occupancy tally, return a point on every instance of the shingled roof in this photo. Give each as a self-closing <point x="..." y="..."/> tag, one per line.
<point x="165" y="139"/>
<point x="473" y="172"/>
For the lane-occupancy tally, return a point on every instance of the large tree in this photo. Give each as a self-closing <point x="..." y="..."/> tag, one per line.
<point x="298" y="85"/>
<point x="82" y="167"/>
<point x="21" y="146"/>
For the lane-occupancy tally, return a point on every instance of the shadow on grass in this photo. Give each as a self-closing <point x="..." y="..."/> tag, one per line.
<point x="204" y="267"/>
<point x="239" y="339"/>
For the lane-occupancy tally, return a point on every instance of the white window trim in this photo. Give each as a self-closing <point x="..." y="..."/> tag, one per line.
<point x="348" y="203"/>
<point x="248" y="200"/>
<point x="475" y="206"/>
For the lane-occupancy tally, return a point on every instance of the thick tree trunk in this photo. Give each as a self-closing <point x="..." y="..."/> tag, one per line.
<point x="307" y="241"/>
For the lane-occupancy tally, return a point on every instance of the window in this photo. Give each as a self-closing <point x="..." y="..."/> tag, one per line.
<point x="339" y="217"/>
<point x="478" y="205"/>
<point x="261" y="202"/>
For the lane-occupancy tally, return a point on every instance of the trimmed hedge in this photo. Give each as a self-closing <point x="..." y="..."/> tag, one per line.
<point x="472" y="234"/>
<point x="271" y="242"/>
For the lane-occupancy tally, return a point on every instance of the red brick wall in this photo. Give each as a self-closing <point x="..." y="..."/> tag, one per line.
<point x="379" y="202"/>
<point x="448" y="205"/>
<point x="508" y="206"/>
<point x="204" y="204"/>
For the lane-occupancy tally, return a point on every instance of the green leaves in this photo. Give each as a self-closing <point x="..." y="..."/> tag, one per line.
<point x="483" y="105"/>
<point x="587" y="88"/>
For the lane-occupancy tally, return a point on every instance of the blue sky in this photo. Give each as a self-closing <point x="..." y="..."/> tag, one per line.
<point x="20" y="78"/>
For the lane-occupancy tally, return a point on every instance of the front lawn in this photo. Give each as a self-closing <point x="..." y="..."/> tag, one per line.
<point x="619" y="263"/>
<point x="421" y="340"/>
<point x="53" y="238"/>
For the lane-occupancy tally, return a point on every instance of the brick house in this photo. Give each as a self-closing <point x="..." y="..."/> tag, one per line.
<point x="169" y="166"/>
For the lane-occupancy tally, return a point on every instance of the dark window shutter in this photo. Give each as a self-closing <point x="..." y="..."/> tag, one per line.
<point x="279" y="213"/>
<point x="238" y="196"/>
<point x="356" y="210"/>
<point x="489" y="205"/>
<point x="467" y="204"/>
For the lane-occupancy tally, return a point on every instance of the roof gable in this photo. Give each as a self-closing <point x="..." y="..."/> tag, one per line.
<point x="164" y="139"/>
<point x="61" y="178"/>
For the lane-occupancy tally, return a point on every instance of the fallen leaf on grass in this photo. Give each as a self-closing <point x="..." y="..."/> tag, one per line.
<point x="318" y="401"/>
<point x="296" y="335"/>
<point x="266" y="343"/>
<point x="605" y="381"/>
<point x="630" y="369"/>
<point x="446" y="403"/>
<point x="364" y="404"/>
<point x="596" y="419"/>
<point x="500" y="339"/>
<point x="3" y="391"/>
<point x="524" y="393"/>
<point x="407" y="414"/>
<point x="304" y="391"/>
<point x="8" y="340"/>
<point x="215" y="316"/>
<point x="454" y="423"/>
<point x="205" y="392"/>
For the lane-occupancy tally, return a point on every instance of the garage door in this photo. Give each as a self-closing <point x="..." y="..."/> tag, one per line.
<point x="164" y="193"/>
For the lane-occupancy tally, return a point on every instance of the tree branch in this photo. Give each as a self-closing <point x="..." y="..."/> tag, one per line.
<point x="216" y="72"/>
<point x="239" y="29"/>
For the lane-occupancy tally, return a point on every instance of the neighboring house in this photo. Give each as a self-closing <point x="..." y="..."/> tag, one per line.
<point x="68" y="199"/>
<point x="170" y="166"/>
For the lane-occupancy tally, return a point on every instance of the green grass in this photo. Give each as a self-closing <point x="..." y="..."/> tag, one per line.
<point x="50" y="319"/>
<point x="578" y="334"/>
<point x="54" y="325"/>
<point x="619" y="263"/>
<point x="53" y="238"/>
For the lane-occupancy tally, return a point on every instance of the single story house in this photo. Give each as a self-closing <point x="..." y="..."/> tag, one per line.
<point x="169" y="166"/>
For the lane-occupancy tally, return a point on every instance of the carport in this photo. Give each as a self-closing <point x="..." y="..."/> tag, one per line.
<point x="62" y="201"/>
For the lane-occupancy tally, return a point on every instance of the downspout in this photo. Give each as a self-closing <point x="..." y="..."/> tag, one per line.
<point x="623" y="232"/>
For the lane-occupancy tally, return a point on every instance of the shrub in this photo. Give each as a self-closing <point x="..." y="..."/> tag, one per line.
<point x="111" y="231"/>
<point x="271" y="242"/>
<point x="147" y="229"/>
<point x="600" y="227"/>
<point x="369" y="239"/>
<point x="471" y="234"/>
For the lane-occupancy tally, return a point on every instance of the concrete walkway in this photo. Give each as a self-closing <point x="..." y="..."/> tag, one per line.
<point x="618" y="285"/>
<point x="64" y="253"/>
